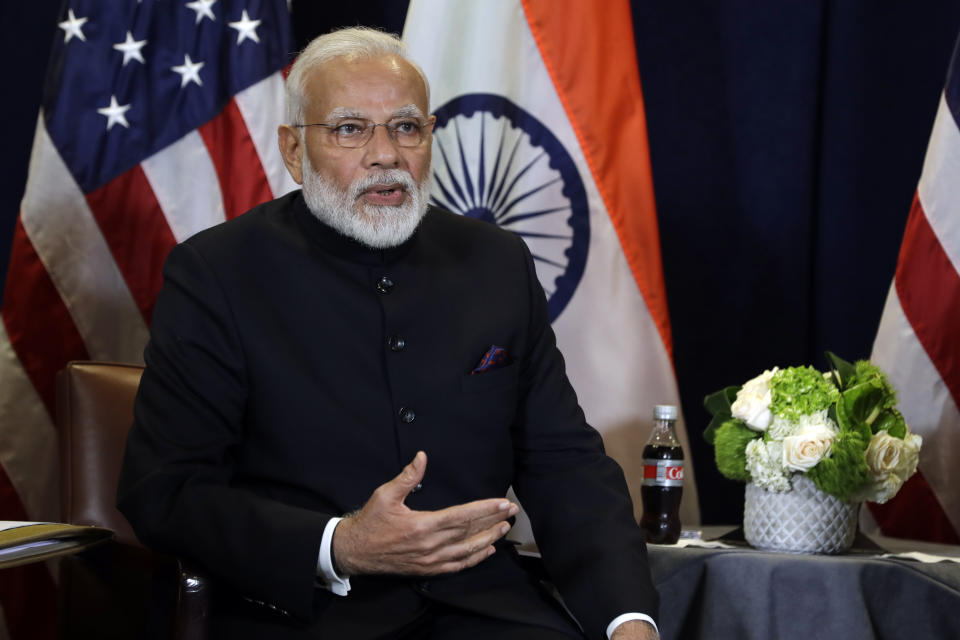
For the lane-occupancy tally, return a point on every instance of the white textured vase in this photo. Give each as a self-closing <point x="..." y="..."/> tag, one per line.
<point x="805" y="520"/>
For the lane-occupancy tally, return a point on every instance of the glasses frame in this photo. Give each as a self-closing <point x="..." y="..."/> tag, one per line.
<point x="370" y="128"/>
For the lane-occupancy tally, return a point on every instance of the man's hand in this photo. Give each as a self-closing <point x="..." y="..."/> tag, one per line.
<point x="634" y="630"/>
<point x="387" y="537"/>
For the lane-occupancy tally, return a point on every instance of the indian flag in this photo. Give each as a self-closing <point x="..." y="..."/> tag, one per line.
<point x="541" y="130"/>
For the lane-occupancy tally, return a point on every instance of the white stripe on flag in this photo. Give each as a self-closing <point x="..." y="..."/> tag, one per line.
<point x="68" y="240"/>
<point x="184" y="181"/>
<point x="938" y="189"/>
<point x="924" y="400"/>
<point x="262" y="108"/>
<point x="28" y="441"/>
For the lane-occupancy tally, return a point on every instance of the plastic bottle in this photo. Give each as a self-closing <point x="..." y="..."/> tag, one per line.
<point x="662" y="478"/>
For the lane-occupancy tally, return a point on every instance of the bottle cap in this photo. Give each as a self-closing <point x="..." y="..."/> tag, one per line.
<point x="665" y="412"/>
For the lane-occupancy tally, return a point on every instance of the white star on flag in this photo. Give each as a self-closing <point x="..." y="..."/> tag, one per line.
<point x="72" y="27"/>
<point x="114" y="113"/>
<point x="131" y="49"/>
<point x="203" y="9"/>
<point x="189" y="71"/>
<point x="246" y="28"/>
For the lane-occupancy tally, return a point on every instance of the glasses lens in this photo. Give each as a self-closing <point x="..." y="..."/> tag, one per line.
<point x="406" y="132"/>
<point x="353" y="133"/>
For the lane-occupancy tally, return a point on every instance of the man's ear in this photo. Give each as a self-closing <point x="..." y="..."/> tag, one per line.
<point x="291" y="149"/>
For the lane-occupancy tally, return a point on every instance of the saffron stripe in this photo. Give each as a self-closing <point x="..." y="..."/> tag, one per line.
<point x="586" y="52"/>
<point x="125" y="208"/>
<point x="929" y="292"/>
<point x="243" y="183"/>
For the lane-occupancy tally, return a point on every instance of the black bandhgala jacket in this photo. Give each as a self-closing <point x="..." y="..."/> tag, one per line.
<point x="291" y="371"/>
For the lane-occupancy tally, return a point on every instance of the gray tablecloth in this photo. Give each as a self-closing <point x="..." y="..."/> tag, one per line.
<point x="744" y="594"/>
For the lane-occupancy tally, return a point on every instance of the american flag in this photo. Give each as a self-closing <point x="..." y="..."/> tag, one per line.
<point x="918" y="341"/>
<point x="159" y="119"/>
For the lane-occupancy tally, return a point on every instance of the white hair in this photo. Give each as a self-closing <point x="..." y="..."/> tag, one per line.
<point x="351" y="43"/>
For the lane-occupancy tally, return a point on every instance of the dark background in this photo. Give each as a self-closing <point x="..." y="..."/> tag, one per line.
<point x="787" y="138"/>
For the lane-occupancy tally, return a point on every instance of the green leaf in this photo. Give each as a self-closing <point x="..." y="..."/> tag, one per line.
<point x="709" y="434"/>
<point x="866" y="371"/>
<point x="893" y="422"/>
<point x="864" y="401"/>
<point x="719" y="402"/>
<point x="842" y="370"/>
<point x="847" y="418"/>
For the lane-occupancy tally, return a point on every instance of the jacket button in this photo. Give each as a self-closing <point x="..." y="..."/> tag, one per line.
<point x="407" y="415"/>
<point x="423" y="586"/>
<point x="384" y="284"/>
<point x="396" y="343"/>
<point x="417" y="488"/>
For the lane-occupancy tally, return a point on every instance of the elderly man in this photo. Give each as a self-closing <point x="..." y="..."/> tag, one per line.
<point x="342" y="384"/>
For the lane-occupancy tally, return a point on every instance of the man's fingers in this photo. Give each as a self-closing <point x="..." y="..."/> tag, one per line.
<point x="469" y="552"/>
<point x="474" y="516"/>
<point x="407" y="479"/>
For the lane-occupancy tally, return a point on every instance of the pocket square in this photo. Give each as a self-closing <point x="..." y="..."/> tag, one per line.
<point x="494" y="358"/>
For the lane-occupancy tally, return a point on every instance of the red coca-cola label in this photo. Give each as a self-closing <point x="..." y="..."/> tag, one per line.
<point x="662" y="473"/>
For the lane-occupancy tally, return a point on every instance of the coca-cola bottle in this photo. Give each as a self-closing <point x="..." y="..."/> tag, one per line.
<point x="662" y="478"/>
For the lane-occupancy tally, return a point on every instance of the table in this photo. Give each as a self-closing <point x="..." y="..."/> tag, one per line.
<point x="745" y="594"/>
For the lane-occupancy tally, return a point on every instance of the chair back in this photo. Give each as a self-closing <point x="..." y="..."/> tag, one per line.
<point x="94" y="414"/>
<point x="118" y="589"/>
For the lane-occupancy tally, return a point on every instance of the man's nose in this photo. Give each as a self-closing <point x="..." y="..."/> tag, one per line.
<point x="382" y="149"/>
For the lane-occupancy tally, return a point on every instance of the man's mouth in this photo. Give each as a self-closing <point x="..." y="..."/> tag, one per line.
<point x="385" y="194"/>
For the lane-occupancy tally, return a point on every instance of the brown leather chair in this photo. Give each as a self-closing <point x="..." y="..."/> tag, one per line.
<point x="118" y="589"/>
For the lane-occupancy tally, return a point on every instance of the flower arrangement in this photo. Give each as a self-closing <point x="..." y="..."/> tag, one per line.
<point x="841" y="429"/>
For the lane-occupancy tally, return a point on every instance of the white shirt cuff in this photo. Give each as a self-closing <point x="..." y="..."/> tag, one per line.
<point x="630" y="616"/>
<point x="326" y="575"/>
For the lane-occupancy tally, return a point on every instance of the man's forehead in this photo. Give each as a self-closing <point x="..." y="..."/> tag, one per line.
<point x="357" y="86"/>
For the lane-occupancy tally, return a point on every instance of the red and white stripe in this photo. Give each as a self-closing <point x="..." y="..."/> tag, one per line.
<point x="918" y="344"/>
<point x="85" y="271"/>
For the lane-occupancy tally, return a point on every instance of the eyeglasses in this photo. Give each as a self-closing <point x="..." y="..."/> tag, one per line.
<point x="353" y="133"/>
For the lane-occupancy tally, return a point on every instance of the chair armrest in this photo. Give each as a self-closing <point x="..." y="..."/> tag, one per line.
<point x="192" y="619"/>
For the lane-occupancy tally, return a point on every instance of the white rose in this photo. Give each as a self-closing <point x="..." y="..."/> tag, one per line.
<point x="753" y="402"/>
<point x="909" y="457"/>
<point x="891" y="462"/>
<point x="887" y="454"/>
<point x="883" y="453"/>
<point x="807" y="447"/>
<point x="880" y="490"/>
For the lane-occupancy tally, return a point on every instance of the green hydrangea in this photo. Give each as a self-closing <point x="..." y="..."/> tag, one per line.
<point x="798" y="391"/>
<point x="845" y="469"/>
<point x="729" y="448"/>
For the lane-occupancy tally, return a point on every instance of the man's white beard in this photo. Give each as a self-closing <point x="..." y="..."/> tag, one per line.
<point x="376" y="226"/>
